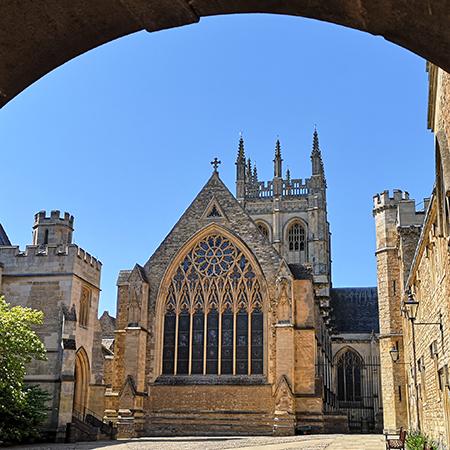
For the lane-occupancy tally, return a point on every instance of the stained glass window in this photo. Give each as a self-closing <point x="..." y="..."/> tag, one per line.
<point x="215" y="294"/>
<point x="349" y="367"/>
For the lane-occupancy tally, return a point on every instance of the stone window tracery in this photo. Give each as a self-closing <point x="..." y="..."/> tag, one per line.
<point x="213" y="312"/>
<point x="349" y="373"/>
<point x="296" y="237"/>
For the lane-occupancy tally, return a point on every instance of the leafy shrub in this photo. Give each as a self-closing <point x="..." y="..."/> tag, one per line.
<point x="415" y="440"/>
<point x="22" y="408"/>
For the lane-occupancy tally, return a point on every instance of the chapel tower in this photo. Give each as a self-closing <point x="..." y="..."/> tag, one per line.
<point x="291" y="213"/>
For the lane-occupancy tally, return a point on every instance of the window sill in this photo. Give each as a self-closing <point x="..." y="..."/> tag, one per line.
<point x="211" y="379"/>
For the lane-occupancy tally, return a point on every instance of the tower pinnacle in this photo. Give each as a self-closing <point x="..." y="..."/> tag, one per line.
<point x="277" y="162"/>
<point x="255" y="173"/>
<point x="241" y="150"/>
<point x="316" y="155"/>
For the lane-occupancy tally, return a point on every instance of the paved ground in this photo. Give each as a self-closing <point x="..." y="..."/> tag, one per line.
<point x="313" y="442"/>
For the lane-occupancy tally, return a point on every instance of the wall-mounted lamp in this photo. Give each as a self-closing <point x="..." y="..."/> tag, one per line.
<point x="394" y="354"/>
<point x="411" y="306"/>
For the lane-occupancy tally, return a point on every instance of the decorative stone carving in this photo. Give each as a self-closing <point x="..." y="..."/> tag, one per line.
<point x="284" y="297"/>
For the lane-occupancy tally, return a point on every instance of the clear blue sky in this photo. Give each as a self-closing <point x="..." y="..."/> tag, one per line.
<point x="122" y="136"/>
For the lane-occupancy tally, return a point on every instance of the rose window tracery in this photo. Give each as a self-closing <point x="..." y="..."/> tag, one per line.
<point x="213" y="320"/>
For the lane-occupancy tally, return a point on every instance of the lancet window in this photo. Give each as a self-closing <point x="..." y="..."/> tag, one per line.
<point x="264" y="230"/>
<point x="349" y="373"/>
<point x="296" y="237"/>
<point x="213" y="313"/>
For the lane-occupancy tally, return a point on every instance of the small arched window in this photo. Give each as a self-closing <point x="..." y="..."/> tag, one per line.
<point x="349" y="372"/>
<point x="296" y="238"/>
<point x="264" y="230"/>
<point x="46" y="237"/>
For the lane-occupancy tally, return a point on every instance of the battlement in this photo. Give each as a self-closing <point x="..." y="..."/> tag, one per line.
<point x="385" y="200"/>
<point x="265" y="189"/>
<point x="37" y="256"/>
<point x="53" y="229"/>
<point x="41" y="218"/>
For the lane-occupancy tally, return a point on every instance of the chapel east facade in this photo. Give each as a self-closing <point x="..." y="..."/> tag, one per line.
<point x="227" y="327"/>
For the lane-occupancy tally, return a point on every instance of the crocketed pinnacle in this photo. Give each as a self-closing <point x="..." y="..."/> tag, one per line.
<point x="241" y="151"/>
<point x="255" y="173"/>
<point x="278" y="149"/>
<point x="288" y="176"/>
<point x="316" y="148"/>
<point x="249" y="170"/>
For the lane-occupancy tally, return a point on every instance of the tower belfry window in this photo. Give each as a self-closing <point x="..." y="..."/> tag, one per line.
<point x="296" y="238"/>
<point x="213" y="312"/>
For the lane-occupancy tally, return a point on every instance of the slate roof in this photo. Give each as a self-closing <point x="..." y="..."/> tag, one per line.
<point x="4" y="237"/>
<point x="355" y="310"/>
<point x="108" y="325"/>
<point x="300" y="272"/>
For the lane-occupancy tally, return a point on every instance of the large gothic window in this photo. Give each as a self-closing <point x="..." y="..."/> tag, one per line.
<point x="213" y="316"/>
<point x="349" y="372"/>
<point x="296" y="237"/>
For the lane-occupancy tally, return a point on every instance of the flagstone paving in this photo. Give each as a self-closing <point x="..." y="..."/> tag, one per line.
<point x="312" y="442"/>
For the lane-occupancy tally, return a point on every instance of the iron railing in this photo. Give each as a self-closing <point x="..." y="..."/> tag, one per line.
<point x="89" y="417"/>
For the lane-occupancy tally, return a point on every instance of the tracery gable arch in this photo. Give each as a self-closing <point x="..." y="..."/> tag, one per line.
<point x="213" y="293"/>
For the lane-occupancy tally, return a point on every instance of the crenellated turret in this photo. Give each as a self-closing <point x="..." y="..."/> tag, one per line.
<point x="53" y="230"/>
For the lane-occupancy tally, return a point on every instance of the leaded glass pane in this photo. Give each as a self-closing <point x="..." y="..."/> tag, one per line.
<point x="242" y="342"/>
<point x="183" y="343"/>
<point x="257" y="342"/>
<point x="212" y="345"/>
<point x="198" y="332"/>
<point x="227" y="342"/>
<point x="169" y="343"/>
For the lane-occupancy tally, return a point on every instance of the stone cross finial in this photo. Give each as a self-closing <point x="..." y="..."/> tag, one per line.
<point x="215" y="163"/>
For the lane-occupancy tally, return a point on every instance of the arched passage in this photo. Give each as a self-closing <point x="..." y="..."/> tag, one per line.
<point x="37" y="37"/>
<point x="82" y="374"/>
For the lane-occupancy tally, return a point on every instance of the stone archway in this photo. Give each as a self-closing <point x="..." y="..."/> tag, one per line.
<point x="82" y="375"/>
<point x="36" y="37"/>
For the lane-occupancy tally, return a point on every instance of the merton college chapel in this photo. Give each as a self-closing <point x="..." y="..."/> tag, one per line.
<point x="231" y="327"/>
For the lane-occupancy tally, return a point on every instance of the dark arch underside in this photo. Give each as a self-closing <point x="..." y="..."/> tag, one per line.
<point x="38" y="36"/>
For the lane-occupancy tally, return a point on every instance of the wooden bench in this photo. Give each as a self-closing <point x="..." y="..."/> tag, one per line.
<point x="397" y="442"/>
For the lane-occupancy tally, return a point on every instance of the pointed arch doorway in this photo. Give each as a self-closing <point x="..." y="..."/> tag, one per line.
<point x="81" y="386"/>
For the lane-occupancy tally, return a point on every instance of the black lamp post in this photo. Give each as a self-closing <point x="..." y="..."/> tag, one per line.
<point x="411" y="305"/>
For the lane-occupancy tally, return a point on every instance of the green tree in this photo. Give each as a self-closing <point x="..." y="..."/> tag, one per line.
<point x="22" y="408"/>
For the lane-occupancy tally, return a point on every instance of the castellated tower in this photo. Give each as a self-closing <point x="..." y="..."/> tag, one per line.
<point x="62" y="280"/>
<point x="291" y="213"/>
<point x="53" y="230"/>
<point x="397" y="226"/>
